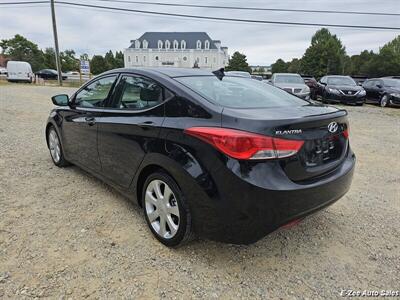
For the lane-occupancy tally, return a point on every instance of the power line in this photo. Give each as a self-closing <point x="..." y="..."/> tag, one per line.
<point x="227" y="19"/>
<point x="255" y="8"/>
<point x="24" y="2"/>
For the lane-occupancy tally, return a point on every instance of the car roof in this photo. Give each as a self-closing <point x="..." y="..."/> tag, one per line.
<point x="347" y="76"/>
<point x="168" y="71"/>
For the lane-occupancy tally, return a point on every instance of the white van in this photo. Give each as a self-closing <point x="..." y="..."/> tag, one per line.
<point x="19" y="71"/>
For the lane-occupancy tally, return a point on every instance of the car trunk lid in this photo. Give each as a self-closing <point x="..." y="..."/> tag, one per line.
<point x="322" y="128"/>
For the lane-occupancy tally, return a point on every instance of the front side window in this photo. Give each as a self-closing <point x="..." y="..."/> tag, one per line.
<point x="137" y="93"/>
<point x="240" y="92"/>
<point x="95" y="94"/>
<point x="391" y="82"/>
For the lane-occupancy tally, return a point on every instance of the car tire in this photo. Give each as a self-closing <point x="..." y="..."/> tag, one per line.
<point x="384" y="101"/>
<point x="169" y="219"/>
<point x="55" y="148"/>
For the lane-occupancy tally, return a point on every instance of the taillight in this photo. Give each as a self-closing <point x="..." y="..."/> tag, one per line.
<point x="346" y="133"/>
<point x="245" y="145"/>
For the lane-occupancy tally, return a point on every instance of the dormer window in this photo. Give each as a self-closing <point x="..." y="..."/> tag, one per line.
<point x="183" y="44"/>
<point x="145" y="44"/>
<point x="176" y="44"/>
<point x="167" y="44"/>
<point x="207" y="45"/>
<point x="137" y="44"/>
<point x="198" y="44"/>
<point x="160" y="44"/>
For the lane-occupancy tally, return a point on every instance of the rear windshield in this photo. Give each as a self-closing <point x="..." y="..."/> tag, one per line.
<point x="289" y="79"/>
<point x="341" y="81"/>
<point x="240" y="92"/>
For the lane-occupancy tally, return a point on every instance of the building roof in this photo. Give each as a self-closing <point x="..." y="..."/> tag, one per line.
<point x="190" y="38"/>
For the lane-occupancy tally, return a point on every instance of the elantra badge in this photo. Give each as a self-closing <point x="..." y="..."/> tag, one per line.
<point x="333" y="127"/>
<point x="291" y="131"/>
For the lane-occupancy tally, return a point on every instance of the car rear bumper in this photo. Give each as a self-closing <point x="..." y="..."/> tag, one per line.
<point x="252" y="203"/>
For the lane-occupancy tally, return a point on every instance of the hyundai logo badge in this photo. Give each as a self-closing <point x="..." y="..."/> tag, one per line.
<point x="333" y="127"/>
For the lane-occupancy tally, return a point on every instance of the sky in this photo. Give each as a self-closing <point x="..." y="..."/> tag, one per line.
<point x="94" y="31"/>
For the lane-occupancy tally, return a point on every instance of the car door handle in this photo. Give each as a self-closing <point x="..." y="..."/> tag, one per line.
<point x="90" y="121"/>
<point x="146" y="124"/>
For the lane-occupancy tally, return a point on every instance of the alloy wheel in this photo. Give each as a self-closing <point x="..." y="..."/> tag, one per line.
<point x="54" y="146"/>
<point x="384" y="101"/>
<point x="162" y="209"/>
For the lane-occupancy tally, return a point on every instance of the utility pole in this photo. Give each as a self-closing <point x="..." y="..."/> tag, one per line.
<point x="57" y="51"/>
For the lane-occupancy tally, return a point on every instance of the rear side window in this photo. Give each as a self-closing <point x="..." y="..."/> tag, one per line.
<point x="137" y="93"/>
<point x="96" y="93"/>
<point x="239" y="92"/>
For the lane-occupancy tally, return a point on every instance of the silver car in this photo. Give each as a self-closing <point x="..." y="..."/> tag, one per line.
<point x="292" y="83"/>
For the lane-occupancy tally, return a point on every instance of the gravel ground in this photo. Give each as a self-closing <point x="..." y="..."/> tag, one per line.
<point x="65" y="234"/>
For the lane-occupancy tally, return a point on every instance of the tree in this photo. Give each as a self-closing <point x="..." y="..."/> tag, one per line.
<point x="238" y="62"/>
<point x="110" y="60"/>
<point x="20" y="48"/>
<point x="387" y="62"/>
<point x="324" y="56"/>
<point x="49" y="59"/>
<point x="279" y="66"/>
<point x="294" y="66"/>
<point x="119" y="59"/>
<point x="68" y="61"/>
<point x="98" y="64"/>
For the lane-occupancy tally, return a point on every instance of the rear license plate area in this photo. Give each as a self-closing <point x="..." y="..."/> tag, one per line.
<point x="322" y="151"/>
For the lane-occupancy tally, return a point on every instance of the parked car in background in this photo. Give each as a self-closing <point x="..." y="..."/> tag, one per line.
<point x="239" y="73"/>
<point x="224" y="157"/>
<point x="74" y="73"/>
<point x="359" y="79"/>
<point x="3" y="71"/>
<point x="340" y="89"/>
<point x="49" y="74"/>
<point x="19" y="71"/>
<point x="257" y="77"/>
<point x="312" y="83"/>
<point x="383" y="91"/>
<point x="291" y="83"/>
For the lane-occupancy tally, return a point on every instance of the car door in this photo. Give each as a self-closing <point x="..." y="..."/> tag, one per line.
<point x="130" y="127"/>
<point x="80" y="122"/>
<point x="379" y="90"/>
<point x="321" y="86"/>
<point x="370" y="89"/>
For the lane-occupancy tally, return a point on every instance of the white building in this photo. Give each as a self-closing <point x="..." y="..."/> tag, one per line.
<point x="176" y="49"/>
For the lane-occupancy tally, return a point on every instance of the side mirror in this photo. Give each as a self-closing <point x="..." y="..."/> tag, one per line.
<point x="60" y="100"/>
<point x="379" y="86"/>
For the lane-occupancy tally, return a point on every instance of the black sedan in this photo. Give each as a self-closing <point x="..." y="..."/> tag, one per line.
<point x="224" y="157"/>
<point x="340" y="89"/>
<point x="383" y="91"/>
<point x="49" y="74"/>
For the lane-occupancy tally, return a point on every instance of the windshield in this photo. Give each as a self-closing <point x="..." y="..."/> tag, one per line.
<point x="239" y="92"/>
<point x="289" y="79"/>
<point x="341" y="81"/>
<point x="392" y="82"/>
